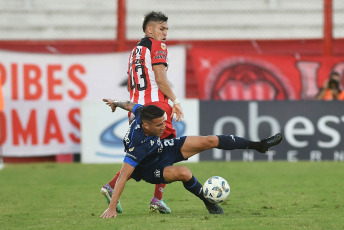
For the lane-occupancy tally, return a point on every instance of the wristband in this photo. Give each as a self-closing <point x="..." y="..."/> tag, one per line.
<point x="176" y="101"/>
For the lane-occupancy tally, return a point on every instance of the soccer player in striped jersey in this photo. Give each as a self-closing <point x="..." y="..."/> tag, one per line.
<point x="148" y="85"/>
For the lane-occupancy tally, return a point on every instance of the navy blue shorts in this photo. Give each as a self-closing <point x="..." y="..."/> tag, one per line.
<point x="171" y="154"/>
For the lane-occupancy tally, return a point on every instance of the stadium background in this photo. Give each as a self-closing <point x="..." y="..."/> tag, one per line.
<point x="283" y="48"/>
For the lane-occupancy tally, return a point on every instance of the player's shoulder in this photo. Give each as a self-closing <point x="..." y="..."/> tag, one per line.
<point x="145" y="42"/>
<point x="152" y="44"/>
<point x="136" y="109"/>
<point x="159" y="45"/>
<point x="137" y="135"/>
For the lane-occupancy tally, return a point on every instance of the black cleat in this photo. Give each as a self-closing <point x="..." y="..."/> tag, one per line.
<point x="213" y="208"/>
<point x="269" y="142"/>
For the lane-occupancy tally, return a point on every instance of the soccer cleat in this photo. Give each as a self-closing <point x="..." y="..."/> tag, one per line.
<point x="159" y="205"/>
<point x="269" y="142"/>
<point x="107" y="191"/>
<point x="213" y="208"/>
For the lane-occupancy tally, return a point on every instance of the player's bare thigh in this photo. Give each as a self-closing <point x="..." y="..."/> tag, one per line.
<point x="177" y="173"/>
<point x="196" y="144"/>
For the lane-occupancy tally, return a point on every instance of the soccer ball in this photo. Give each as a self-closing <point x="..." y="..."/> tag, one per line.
<point x="216" y="189"/>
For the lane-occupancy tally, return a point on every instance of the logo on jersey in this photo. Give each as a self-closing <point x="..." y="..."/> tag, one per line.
<point x="157" y="173"/>
<point x="131" y="156"/>
<point x="163" y="46"/>
<point x="131" y="149"/>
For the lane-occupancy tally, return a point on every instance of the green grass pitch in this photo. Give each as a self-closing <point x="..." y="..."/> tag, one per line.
<point x="264" y="195"/>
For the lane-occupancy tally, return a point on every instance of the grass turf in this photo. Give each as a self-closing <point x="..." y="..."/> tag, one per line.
<point x="264" y="195"/>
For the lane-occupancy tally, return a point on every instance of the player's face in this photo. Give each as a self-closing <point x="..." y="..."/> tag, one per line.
<point x="335" y="77"/>
<point x="156" y="127"/>
<point x="158" y="31"/>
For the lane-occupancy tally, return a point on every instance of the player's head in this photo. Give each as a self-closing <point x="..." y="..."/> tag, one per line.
<point x="335" y="76"/>
<point x="334" y="80"/>
<point x="155" y="25"/>
<point x="153" y="120"/>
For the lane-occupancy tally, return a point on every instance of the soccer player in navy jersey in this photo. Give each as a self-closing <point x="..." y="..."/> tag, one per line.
<point x="151" y="159"/>
<point x="148" y="85"/>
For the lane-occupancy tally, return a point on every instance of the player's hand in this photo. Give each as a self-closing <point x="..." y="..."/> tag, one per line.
<point x="109" y="213"/>
<point x="110" y="103"/>
<point x="177" y="109"/>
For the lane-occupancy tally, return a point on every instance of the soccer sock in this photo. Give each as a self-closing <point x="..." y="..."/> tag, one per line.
<point x="230" y="142"/>
<point x="254" y="145"/>
<point x="112" y="183"/>
<point x="194" y="187"/>
<point x="159" y="190"/>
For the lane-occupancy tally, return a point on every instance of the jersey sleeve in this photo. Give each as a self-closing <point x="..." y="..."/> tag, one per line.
<point x="130" y="161"/>
<point x="159" y="53"/>
<point x="135" y="155"/>
<point x="136" y="109"/>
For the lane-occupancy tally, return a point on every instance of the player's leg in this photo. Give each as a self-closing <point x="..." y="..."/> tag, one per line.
<point x="159" y="191"/>
<point x="157" y="203"/>
<point x="182" y="173"/>
<point x="196" y="144"/>
<point x="163" y="172"/>
<point x="107" y="191"/>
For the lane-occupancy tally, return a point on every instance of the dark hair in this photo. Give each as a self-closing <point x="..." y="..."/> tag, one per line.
<point x="153" y="16"/>
<point x="333" y="83"/>
<point x="334" y="74"/>
<point x="150" y="112"/>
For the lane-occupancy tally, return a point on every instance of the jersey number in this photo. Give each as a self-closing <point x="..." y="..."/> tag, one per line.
<point x="169" y="142"/>
<point x="140" y="71"/>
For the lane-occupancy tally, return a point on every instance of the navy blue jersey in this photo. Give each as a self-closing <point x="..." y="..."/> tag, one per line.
<point x="139" y="148"/>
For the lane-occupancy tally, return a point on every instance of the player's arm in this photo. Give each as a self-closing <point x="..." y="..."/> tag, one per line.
<point x="164" y="86"/>
<point x="124" y="175"/>
<point x="126" y="105"/>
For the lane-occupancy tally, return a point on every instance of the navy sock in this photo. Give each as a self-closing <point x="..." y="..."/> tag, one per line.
<point x="194" y="187"/>
<point x="230" y="142"/>
<point x="255" y="145"/>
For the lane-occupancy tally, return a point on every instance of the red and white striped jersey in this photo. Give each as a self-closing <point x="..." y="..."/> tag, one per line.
<point x="142" y="85"/>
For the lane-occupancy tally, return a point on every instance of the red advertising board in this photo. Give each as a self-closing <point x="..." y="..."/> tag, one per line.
<point x="224" y="75"/>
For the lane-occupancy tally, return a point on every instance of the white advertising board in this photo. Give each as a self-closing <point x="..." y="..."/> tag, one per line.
<point x="103" y="131"/>
<point x="43" y="93"/>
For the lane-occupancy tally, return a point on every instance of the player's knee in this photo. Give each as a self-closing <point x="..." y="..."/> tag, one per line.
<point x="211" y="141"/>
<point x="184" y="173"/>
